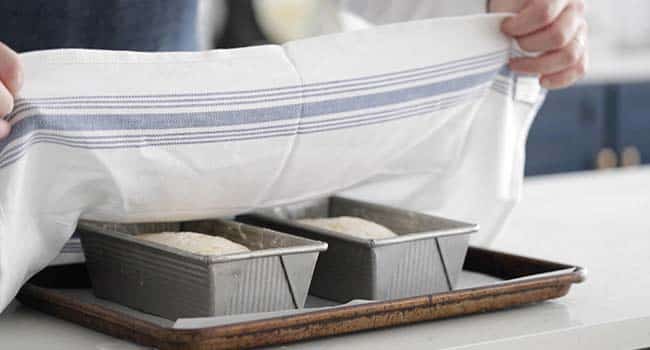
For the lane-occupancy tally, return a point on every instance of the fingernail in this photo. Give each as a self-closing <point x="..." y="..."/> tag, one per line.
<point x="14" y="78"/>
<point x="506" y="26"/>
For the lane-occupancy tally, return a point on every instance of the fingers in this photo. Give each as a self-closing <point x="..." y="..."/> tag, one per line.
<point x="11" y="71"/>
<point x="535" y="15"/>
<point x="565" y="77"/>
<point x="11" y="80"/>
<point x="555" y="60"/>
<point x="556" y="35"/>
<point x="6" y="101"/>
<point x="6" y="105"/>
<point x="557" y="29"/>
<point x="505" y="5"/>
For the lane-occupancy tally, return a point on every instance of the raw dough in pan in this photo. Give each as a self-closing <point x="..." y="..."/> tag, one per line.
<point x="197" y="243"/>
<point x="351" y="226"/>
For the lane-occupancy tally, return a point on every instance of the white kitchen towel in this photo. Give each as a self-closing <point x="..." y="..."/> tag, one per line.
<point x="130" y="137"/>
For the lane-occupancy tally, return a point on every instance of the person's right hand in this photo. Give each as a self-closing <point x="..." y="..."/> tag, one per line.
<point x="11" y="79"/>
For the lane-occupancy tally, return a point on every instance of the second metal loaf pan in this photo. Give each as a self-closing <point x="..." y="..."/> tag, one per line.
<point x="426" y="256"/>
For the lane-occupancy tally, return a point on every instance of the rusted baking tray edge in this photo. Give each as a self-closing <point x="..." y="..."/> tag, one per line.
<point x="349" y="319"/>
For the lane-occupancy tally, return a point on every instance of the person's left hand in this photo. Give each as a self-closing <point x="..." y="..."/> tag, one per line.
<point x="557" y="29"/>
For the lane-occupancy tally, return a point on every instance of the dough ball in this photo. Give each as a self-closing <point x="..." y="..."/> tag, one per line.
<point x="351" y="226"/>
<point x="197" y="243"/>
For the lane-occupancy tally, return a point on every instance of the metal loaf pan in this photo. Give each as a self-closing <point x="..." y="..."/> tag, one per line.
<point x="426" y="257"/>
<point x="172" y="283"/>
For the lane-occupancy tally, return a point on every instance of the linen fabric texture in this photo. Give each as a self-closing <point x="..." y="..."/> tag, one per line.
<point x="423" y="115"/>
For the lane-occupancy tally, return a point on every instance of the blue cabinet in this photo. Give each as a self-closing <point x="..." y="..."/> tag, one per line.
<point x="632" y="126"/>
<point x="568" y="131"/>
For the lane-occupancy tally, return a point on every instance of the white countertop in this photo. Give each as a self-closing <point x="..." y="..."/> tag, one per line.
<point x="598" y="220"/>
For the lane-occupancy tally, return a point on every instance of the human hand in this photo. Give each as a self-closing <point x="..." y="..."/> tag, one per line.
<point x="11" y="79"/>
<point x="557" y="29"/>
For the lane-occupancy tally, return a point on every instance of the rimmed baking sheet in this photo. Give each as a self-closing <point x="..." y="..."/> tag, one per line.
<point x="491" y="281"/>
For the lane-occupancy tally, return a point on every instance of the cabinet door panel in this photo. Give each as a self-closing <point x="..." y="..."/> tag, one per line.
<point x="568" y="131"/>
<point x="633" y="127"/>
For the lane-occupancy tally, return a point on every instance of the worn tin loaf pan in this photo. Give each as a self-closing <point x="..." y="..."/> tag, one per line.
<point x="426" y="256"/>
<point x="172" y="283"/>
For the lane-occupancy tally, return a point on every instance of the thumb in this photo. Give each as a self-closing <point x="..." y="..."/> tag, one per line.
<point x="11" y="69"/>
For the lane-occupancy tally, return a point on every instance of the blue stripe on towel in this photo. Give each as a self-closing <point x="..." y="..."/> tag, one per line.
<point x="493" y="57"/>
<point x="185" y="141"/>
<point x="129" y="141"/>
<point x="183" y="120"/>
